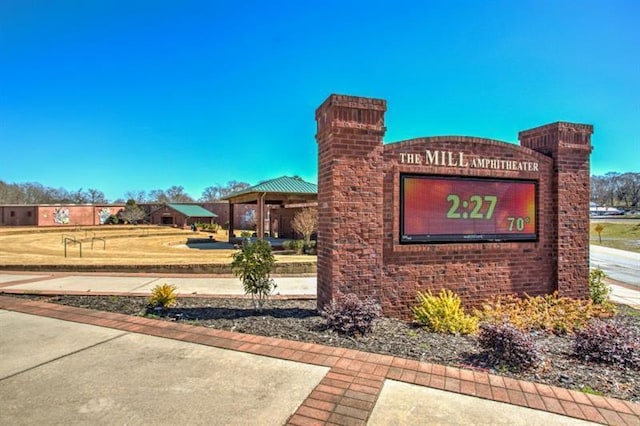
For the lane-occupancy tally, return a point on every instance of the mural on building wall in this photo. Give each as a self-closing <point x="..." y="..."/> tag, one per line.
<point x="249" y="219"/>
<point x="104" y="214"/>
<point x="61" y="215"/>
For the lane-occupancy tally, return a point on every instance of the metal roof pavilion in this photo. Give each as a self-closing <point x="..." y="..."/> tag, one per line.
<point x="191" y="210"/>
<point x="280" y="191"/>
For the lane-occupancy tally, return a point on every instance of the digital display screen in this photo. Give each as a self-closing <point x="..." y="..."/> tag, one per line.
<point x="443" y="209"/>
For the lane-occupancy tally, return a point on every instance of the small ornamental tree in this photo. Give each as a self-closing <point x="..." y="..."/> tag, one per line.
<point x="132" y="213"/>
<point x="305" y="222"/>
<point x="253" y="264"/>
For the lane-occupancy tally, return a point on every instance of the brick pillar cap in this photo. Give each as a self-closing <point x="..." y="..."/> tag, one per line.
<point x="558" y="126"/>
<point x="352" y="102"/>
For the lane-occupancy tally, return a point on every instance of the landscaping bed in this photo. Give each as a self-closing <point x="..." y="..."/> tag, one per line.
<point x="299" y="320"/>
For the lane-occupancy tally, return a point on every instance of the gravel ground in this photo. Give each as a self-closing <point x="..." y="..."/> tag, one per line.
<point x="299" y="320"/>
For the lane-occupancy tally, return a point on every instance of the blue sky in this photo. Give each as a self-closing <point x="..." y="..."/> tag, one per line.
<point x="142" y="95"/>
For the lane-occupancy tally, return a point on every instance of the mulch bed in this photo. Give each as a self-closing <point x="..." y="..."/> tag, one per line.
<point x="299" y="320"/>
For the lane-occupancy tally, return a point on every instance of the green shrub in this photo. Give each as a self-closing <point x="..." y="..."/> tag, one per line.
<point x="212" y="227"/>
<point x="246" y="234"/>
<point x="598" y="290"/>
<point x="296" y="245"/>
<point x="443" y="314"/>
<point x="163" y="296"/>
<point x="350" y="315"/>
<point x="507" y="345"/>
<point x="309" y="247"/>
<point x="112" y="220"/>
<point x="253" y="264"/>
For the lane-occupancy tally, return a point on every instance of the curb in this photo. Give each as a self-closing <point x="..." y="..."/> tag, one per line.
<point x="281" y="268"/>
<point x="127" y="294"/>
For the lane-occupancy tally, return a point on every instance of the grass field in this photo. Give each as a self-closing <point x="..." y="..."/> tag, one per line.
<point x="151" y="245"/>
<point x="619" y="235"/>
<point x="123" y="245"/>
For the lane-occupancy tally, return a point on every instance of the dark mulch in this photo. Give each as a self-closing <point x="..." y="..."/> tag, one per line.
<point x="299" y="320"/>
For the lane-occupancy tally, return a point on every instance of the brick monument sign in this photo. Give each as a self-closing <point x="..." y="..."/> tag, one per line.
<point x="476" y="216"/>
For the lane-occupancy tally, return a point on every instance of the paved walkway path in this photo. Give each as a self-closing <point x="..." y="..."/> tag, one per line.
<point x="67" y="365"/>
<point x="141" y="284"/>
<point x="187" y="285"/>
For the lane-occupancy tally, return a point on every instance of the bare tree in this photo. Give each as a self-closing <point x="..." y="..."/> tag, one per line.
<point x="305" y="222"/>
<point x="217" y="191"/>
<point x="616" y="189"/>
<point x="629" y="189"/>
<point x="35" y="193"/>
<point x="211" y="193"/>
<point x="234" y="186"/>
<point x="158" y="196"/>
<point x="96" y="196"/>
<point x="598" y="189"/>
<point x="612" y="179"/>
<point x="139" y="196"/>
<point x="132" y="213"/>
<point x="10" y="193"/>
<point x="176" y="194"/>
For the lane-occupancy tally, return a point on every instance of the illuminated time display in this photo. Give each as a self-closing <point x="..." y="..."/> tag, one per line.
<point x="476" y="212"/>
<point x="445" y="209"/>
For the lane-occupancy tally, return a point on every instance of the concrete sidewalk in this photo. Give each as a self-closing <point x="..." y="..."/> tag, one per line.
<point x="625" y="295"/>
<point x="141" y="284"/>
<point x="66" y="365"/>
<point x="188" y="285"/>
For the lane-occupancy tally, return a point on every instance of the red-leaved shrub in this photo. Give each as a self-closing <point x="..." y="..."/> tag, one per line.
<point x="348" y="314"/>
<point x="607" y="342"/>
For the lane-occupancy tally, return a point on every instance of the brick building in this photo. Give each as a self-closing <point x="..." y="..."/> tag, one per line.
<point x="57" y="214"/>
<point x="181" y="215"/>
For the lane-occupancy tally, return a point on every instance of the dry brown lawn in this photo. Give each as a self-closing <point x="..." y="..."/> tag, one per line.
<point x="123" y="245"/>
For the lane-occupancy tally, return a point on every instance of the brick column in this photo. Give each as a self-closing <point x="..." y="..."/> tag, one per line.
<point x="231" y="227"/>
<point x="350" y="196"/>
<point x="569" y="145"/>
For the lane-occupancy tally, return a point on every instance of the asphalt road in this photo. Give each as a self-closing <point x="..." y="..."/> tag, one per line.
<point x="620" y="265"/>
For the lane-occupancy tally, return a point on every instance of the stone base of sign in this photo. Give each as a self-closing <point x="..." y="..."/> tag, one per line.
<point x="359" y="248"/>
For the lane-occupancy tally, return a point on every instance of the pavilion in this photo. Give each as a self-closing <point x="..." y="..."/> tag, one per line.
<point x="284" y="192"/>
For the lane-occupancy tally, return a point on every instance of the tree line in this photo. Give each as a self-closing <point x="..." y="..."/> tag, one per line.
<point x="36" y="193"/>
<point x="612" y="189"/>
<point x="616" y="189"/>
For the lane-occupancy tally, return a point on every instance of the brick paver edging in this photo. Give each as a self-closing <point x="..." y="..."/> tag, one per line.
<point x="348" y="392"/>
<point x="148" y="293"/>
